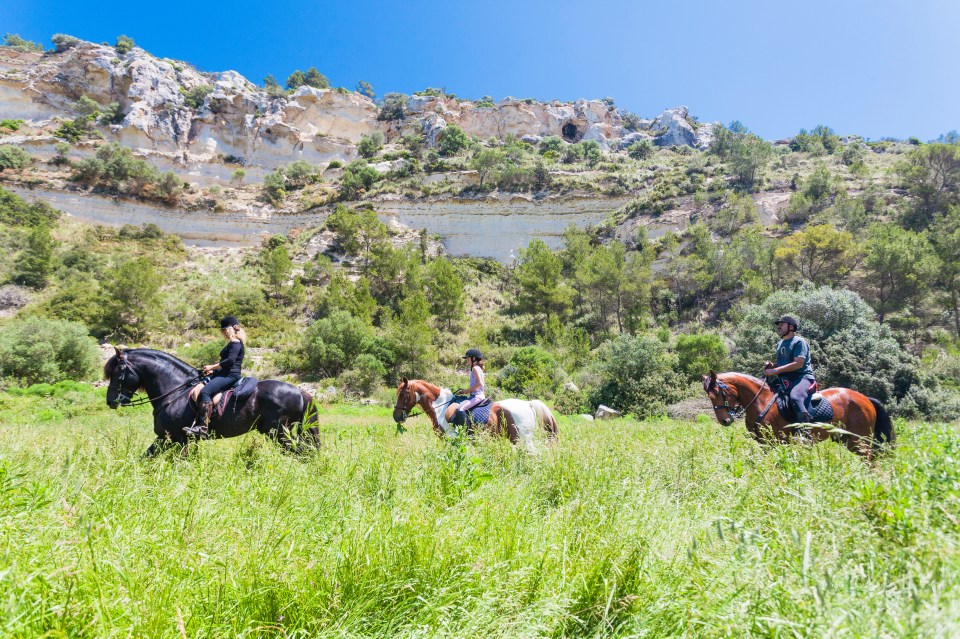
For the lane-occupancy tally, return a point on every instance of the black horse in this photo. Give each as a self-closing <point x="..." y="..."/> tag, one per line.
<point x="273" y="408"/>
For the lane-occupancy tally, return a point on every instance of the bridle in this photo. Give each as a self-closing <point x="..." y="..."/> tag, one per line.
<point x="735" y="413"/>
<point x="123" y="399"/>
<point x="404" y="397"/>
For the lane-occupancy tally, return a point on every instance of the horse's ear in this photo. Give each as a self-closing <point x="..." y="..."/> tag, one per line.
<point x="403" y="381"/>
<point x="119" y="350"/>
<point x="709" y="381"/>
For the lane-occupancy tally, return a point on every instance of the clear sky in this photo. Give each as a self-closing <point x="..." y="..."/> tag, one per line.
<point x="876" y="68"/>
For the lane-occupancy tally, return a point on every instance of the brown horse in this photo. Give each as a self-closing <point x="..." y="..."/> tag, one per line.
<point x="517" y="418"/>
<point x="860" y="422"/>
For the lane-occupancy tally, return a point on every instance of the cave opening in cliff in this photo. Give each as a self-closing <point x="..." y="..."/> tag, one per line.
<point x="571" y="132"/>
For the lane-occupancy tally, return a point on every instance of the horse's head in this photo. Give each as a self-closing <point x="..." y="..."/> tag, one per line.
<point x="124" y="380"/>
<point x="407" y="398"/>
<point x="724" y="398"/>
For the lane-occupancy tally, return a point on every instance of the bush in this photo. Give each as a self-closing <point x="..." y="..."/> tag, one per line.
<point x="38" y="350"/>
<point x="357" y="178"/>
<point x="11" y="125"/>
<point x="124" y="45"/>
<point x="312" y="78"/>
<point x="452" y="140"/>
<point x="14" y="41"/>
<point x="15" y="211"/>
<point x="365" y="376"/>
<point x="370" y="145"/>
<point x="331" y="344"/>
<point x="195" y="97"/>
<point x="393" y="108"/>
<point x="13" y="157"/>
<point x="848" y="347"/>
<point x="636" y="374"/>
<point x="532" y="372"/>
<point x="699" y="354"/>
<point x="641" y="150"/>
<point x="64" y="42"/>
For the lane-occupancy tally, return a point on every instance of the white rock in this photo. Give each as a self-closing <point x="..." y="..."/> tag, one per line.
<point x="605" y="412"/>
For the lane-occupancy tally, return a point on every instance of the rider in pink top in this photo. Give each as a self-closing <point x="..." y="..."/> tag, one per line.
<point x="475" y="361"/>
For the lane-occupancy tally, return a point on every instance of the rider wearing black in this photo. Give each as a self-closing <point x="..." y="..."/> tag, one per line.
<point x="224" y="374"/>
<point x="793" y="367"/>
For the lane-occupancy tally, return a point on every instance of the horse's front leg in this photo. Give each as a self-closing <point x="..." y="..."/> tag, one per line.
<point x="158" y="446"/>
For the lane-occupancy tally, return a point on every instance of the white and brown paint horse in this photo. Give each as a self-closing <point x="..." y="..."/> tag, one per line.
<point x="517" y="418"/>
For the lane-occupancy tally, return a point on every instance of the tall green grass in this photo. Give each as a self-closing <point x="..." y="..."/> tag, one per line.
<point x="626" y="529"/>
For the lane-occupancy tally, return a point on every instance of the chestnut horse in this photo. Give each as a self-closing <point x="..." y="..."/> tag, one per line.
<point x="517" y="417"/>
<point x="860" y="422"/>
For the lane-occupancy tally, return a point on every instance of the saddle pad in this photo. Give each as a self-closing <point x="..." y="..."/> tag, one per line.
<point x="820" y="411"/>
<point x="480" y="414"/>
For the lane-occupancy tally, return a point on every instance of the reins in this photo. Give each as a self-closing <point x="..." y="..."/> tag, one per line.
<point x="140" y="401"/>
<point x="737" y="413"/>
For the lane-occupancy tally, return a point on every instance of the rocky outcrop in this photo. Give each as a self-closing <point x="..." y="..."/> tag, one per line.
<point x="581" y="120"/>
<point x="675" y="127"/>
<point x="173" y="111"/>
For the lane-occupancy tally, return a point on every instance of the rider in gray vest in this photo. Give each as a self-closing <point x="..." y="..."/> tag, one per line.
<point x="793" y="367"/>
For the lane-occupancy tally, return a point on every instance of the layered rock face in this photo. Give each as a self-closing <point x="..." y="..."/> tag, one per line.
<point x="237" y="119"/>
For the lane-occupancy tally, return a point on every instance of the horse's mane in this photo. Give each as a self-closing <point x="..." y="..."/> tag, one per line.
<point x="749" y="377"/>
<point x="148" y="353"/>
<point x="433" y="388"/>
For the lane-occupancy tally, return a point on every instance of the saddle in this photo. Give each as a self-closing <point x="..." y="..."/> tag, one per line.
<point x="476" y="415"/>
<point x="821" y="410"/>
<point x="239" y="393"/>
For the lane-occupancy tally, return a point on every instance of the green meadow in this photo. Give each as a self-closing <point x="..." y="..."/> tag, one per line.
<point x="625" y="528"/>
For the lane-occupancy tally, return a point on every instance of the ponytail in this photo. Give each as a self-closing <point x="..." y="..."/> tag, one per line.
<point x="240" y="333"/>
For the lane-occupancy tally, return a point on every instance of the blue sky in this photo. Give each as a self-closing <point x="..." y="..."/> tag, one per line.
<point x="877" y="69"/>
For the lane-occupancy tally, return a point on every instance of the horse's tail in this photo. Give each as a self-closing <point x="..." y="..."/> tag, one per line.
<point x="883" y="432"/>
<point x="308" y="418"/>
<point x="545" y="417"/>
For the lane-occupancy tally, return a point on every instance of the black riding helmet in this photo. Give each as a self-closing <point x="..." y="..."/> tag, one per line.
<point x="790" y="321"/>
<point x="229" y="321"/>
<point x="474" y="353"/>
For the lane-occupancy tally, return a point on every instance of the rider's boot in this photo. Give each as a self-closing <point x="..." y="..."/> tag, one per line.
<point x="200" y="428"/>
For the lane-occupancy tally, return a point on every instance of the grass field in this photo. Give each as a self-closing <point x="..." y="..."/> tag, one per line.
<point x="626" y="529"/>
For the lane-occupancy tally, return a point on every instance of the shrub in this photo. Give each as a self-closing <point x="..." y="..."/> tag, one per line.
<point x="357" y="178"/>
<point x="124" y="45"/>
<point x="274" y="184"/>
<point x="452" y="140"/>
<point x="635" y="374"/>
<point x="14" y="41"/>
<point x="370" y="145"/>
<point x="64" y="42"/>
<point x="13" y="157"/>
<point x="393" y="107"/>
<point x="366" y="374"/>
<point x="641" y="150"/>
<point x="551" y="143"/>
<point x="331" y="344"/>
<point x="532" y="372"/>
<point x="699" y="354"/>
<point x="38" y="350"/>
<point x="195" y="97"/>
<point x="11" y="125"/>
<point x="15" y="211"/>
<point x="312" y="78"/>
<point x="848" y="346"/>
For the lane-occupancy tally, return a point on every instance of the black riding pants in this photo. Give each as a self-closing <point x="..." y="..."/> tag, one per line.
<point x="217" y="385"/>
<point x="800" y="399"/>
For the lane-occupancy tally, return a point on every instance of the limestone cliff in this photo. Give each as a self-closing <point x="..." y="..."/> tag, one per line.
<point x="236" y="118"/>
